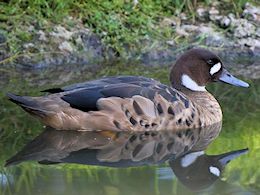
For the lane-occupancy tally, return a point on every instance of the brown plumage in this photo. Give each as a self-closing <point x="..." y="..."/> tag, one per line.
<point x="134" y="103"/>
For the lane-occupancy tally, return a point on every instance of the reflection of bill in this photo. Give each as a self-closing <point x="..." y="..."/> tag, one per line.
<point x="198" y="171"/>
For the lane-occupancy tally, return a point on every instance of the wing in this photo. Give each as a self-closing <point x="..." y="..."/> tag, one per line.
<point x="84" y="96"/>
<point x="102" y="82"/>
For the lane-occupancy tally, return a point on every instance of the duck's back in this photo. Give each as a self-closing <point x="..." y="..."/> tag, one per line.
<point x="84" y="96"/>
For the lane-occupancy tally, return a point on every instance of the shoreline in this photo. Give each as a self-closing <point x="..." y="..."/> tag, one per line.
<point x="234" y="39"/>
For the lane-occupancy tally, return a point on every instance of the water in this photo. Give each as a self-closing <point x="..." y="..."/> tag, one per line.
<point x="156" y="173"/>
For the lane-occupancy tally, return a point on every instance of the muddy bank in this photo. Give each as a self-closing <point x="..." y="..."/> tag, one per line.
<point x="233" y="38"/>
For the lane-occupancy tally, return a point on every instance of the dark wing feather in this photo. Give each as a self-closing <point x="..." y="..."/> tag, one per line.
<point x="103" y="82"/>
<point x="83" y="96"/>
<point x="86" y="99"/>
<point x="127" y="90"/>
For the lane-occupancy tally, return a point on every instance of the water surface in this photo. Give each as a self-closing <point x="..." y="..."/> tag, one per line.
<point x="241" y="127"/>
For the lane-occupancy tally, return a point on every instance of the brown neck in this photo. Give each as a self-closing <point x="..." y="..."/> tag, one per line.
<point x="175" y="78"/>
<point x="206" y="104"/>
<point x="204" y="101"/>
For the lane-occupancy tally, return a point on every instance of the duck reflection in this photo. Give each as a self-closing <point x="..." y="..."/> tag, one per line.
<point x="111" y="148"/>
<point x="198" y="171"/>
<point x="182" y="149"/>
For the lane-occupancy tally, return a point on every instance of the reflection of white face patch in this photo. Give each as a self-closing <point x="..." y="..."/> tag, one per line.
<point x="188" y="159"/>
<point x="190" y="84"/>
<point x="214" y="170"/>
<point x="214" y="69"/>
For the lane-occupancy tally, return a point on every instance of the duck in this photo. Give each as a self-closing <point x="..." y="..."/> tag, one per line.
<point x="137" y="103"/>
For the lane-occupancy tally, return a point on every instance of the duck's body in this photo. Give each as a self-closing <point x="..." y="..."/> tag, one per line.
<point x="122" y="103"/>
<point x="133" y="103"/>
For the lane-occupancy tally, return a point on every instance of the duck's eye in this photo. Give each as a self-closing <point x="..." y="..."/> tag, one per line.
<point x="210" y="62"/>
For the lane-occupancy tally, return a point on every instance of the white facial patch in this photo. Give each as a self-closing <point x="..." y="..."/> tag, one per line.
<point x="214" y="170"/>
<point x="214" y="69"/>
<point x="190" y="84"/>
<point x="188" y="159"/>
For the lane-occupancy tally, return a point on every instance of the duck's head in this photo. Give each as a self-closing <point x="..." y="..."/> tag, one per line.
<point x="198" y="67"/>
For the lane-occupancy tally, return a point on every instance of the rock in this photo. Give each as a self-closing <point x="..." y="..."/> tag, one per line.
<point x="183" y="16"/>
<point x="225" y="22"/>
<point x="190" y="28"/>
<point x="2" y="38"/>
<point x="257" y="33"/>
<point x="31" y="28"/>
<point x="4" y="50"/>
<point x="42" y="35"/>
<point x="232" y="17"/>
<point x="28" y="45"/>
<point x="170" y="22"/>
<point x="61" y="32"/>
<point x="202" y="13"/>
<point x="212" y="37"/>
<point x="243" y="28"/>
<point x="251" y="12"/>
<point x="135" y="2"/>
<point x="215" y="3"/>
<point x="171" y="43"/>
<point x="66" y="47"/>
<point x="155" y="57"/>
<point x="93" y="45"/>
<point x="181" y="32"/>
<point x="252" y="71"/>
<point x="79" y="41"/>
<point x="216" y="39"/>
<point x="214" y="14"/>
<point x="215" y="18"/>
<point x="213" y="11"/>
<point x="206" y="29"/>
<point x="250" y="42"/>
<point x="3" y="54"/>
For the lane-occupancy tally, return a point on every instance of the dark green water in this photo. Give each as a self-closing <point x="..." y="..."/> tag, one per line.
<point x="241" y="129"/>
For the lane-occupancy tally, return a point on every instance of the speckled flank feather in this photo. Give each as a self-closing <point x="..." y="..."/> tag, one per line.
<point x="142" y="114"/>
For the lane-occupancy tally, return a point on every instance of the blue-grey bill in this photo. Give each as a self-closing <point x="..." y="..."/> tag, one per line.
<point x="227" y="157"/>
<point x="230" y="79"/>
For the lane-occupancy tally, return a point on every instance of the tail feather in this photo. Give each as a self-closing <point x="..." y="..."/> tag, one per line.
<point x="28" y="104"/>
<point x="21" y="100"/>
<point x="14" y="161"/>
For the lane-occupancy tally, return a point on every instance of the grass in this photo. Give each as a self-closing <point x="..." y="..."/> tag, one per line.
<point x="121" y="25"/>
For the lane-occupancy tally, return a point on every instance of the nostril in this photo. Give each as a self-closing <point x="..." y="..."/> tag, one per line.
<point x="228" y="75"/>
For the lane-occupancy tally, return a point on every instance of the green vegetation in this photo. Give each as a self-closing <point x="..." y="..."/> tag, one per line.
<point x="120" y="24"/>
